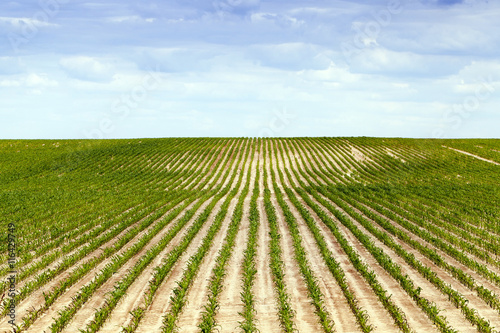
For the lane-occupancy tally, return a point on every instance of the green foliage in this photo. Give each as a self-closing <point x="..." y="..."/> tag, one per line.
<point x="82" y="204"/>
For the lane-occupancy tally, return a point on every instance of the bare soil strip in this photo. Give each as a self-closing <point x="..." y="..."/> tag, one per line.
<point x="429" y="291"/>
<point x="302" y="152"/>
<point x="85" y="314"/>
<point x="37" y="298"/>
<point x="198" y="293"/>
<point x="265" y="302"/>
<point x="465" y="253"/>
<point x="334" y="299"/>
<point x="474" y="300"/>
<point x="475" y="156"/>
<point x="379" y="317"/>
<point x="305" y="316"/>
<point x="230" y="303"/>
<point x="358" y="155"/>
<point x="190" y="317"/>
<point x="120" y="315"/>
<point x="294" y="158"/>
<point x="153" y="317"/>
<point x="306" y="319"/>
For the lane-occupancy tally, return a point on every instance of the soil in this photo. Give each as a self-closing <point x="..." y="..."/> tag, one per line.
<point x="475" y="156"/>
<point x="307" y="157"/>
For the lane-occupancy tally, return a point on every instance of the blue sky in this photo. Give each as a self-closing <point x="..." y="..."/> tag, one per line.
<point x="119" y="69"/>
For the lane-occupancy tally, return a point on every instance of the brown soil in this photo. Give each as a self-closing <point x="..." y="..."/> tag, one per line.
<point x="430" y="292"/>
<point x="230" y="303"/>
<point x="305" y="156"/>
<point x="265" y="302"/>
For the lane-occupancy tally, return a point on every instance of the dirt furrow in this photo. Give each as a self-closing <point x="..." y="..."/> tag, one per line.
<point x="96" y="300"/>
<point x="120" y="316"/>
<point x="429" y="291"/>
<point x="367" y="300"/>
<point x="472" y="155"/>
<point x="37" y="297"/>
<point x="230" y="302"/>
<point x="265" y="302"/>
<point x="335" y="301"/>
<point x="89" y="256"/>
<point x="198" y="293"/>
<point x="469" y="255"/>
<point x="306" y="319"/>
<point x="190" y="317"/>
<point x="86" y="313"/>
<point x="294" y="160"/>
<point x="483" y="309"/>
<point x="153" y="317"/>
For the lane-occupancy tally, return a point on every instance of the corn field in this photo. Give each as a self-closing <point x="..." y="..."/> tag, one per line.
<point x="250" y="235"/>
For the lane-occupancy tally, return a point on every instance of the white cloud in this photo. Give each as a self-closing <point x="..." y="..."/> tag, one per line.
<point x="36" y="80"/>
<point x="479" y="78"/>
<point x="221" y="60"/>
<point x="291" y="56"/>
<point x="197" y="58"/>
<point x="10" y="83"/>
<point x="19" y="23"/>
<point x="130" y="19"/>
<point x="480" y="71"/>
<point x="333" y="74"/>
<point x="379" y="60"/>
<point x="87" y="68"/>
<point x="32" y="80"/>
<point x="281" y="20"/>
<point x="241" y="7"/>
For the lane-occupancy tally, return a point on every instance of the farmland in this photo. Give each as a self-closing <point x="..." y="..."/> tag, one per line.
<point x="249" y="235"/>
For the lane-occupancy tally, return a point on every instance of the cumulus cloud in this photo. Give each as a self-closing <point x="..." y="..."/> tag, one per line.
<point x="379" y="60"/>
<point x="31" y="80"/>
<point x="130" y="19"/>
<point x="222" y="7"/>
<point x="291" y="56"/>
<point x="281" y="20"/>
<point x="18" y="23"/>
<point x="331" y="74"/>
<point x="10" y="83"/>
<point x="479" y="70"/>
<point x="87" y="68"/>
<point x="233" y="57"/>
<point x="239" y="7"/>
<point x="182" y="59"/>
<point x="36" y="80"/>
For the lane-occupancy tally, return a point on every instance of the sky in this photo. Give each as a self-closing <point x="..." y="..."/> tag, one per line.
<point x="249" y="68"/>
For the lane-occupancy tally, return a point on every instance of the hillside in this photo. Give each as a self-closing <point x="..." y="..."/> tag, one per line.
<point x="241" y="234"/>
